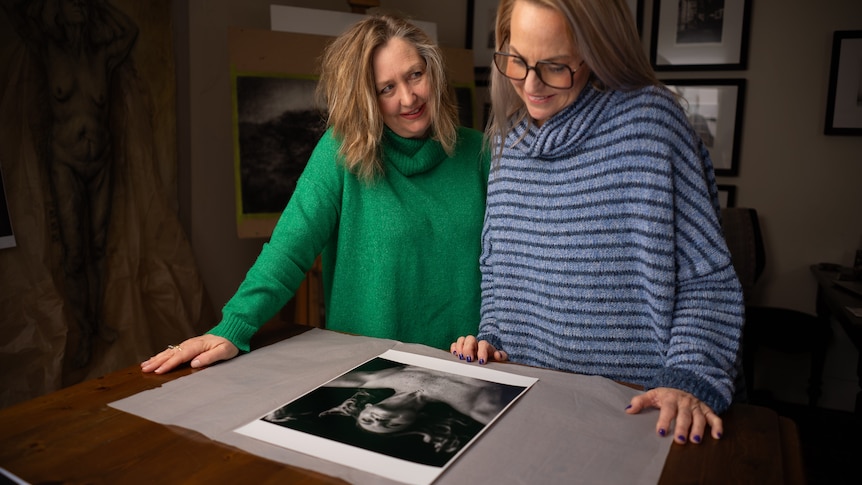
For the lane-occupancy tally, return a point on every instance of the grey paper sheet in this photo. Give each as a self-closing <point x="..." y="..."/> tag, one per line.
<point x="567" y="428"/>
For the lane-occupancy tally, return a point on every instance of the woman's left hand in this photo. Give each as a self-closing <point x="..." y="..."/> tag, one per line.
<point x="690" y="413"/>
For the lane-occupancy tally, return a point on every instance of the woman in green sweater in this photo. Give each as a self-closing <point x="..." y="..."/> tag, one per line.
<point x="392" y="199"/>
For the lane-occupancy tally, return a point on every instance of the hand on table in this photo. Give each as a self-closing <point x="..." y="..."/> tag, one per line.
<point x="201" y="351"/>
<point x="469" y="349"/>
<point x="690" y="413"/>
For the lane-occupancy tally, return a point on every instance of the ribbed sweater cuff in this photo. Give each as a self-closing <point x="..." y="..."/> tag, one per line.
<point x="690" y="382"/>
<point x="235" y="330"/>
<point x="491" y="337"/>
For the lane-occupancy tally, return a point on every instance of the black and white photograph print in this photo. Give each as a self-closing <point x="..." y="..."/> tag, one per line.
<point x="844" y="98"/>
<point x="698" y="35"/>
<point x="715" y="109"/>
<point x="277" y="127"/>
<point x="399" y="415"/>
<point x="699" y="21"/>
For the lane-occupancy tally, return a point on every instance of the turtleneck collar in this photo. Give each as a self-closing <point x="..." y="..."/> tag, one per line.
<point x="562" y="131"/>
<point x="411" y="156"/>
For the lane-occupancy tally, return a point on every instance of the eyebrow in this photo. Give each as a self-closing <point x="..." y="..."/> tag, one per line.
<point x="560" y="59"/>
<point x="419" y="66"/>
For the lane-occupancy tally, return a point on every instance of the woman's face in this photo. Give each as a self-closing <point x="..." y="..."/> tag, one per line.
<point x="392" y="414"/>
<point x="540" y="34"/>
<point x="383" y="420"/>
<point x="403" y="88"/>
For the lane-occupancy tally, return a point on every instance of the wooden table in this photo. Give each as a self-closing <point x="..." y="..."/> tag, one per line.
<point x="73" y="436"/>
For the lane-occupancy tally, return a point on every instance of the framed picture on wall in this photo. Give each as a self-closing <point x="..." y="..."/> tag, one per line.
<point x="483" y="105"/>
<point x="272" y="84"/>
<point x="692" y="35"/>
<point x="464" y="97"/>
<point x="268" y="164"/>
<point x="480" y="32"/>
<point x="714" y="107"/>
<point x="727" y="195"/>
<point x="7" y="236"/>
<point x="637" y="9"/>
<point x="844" y="99"/>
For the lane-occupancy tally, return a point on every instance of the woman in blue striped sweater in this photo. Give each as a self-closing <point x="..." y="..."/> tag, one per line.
<point x="602" y="251"/>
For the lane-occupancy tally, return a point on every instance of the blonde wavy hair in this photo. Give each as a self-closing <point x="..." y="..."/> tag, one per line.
<point x="346" y="87"/>
<point x="606" y="37"/>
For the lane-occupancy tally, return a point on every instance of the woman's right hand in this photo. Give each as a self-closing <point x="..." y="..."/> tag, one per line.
<point x="201" y="351"/>
<point x="469" y="349"/>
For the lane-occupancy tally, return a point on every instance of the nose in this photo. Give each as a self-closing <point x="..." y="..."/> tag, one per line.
<point x="407" y="96"/>
<point x="536" y="82"/>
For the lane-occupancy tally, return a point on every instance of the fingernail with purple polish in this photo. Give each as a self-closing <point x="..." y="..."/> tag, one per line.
<point x="662" y="432"/>
<point x="696" y="438"/>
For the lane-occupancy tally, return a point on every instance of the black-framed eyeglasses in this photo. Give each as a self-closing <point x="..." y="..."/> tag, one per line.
<point x="553" y="74"/>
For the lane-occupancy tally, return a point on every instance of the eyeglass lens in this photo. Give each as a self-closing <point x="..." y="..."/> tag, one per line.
<point x="554" y="75"/>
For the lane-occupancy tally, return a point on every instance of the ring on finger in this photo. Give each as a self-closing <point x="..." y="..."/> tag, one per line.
<point x="175" y="347"/>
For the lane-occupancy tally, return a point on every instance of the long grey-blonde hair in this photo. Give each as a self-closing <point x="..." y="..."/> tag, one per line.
<point x="347" y="89"/>
<point x="606" y="37"/>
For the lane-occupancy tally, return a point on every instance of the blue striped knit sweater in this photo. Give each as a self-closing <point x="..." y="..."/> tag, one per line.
<point x="602" y="249"/>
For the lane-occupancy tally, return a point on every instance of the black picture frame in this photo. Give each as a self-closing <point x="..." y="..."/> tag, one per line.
<point x="483" y="106"/>
<point x="715" y="108"/>
<point x="637" y="9"/>
<point x="726" y="195"/>
<point x="465" y="98"/>
<point x="480" y="33"/>
<point x="844" y="98"/>
<point x="7" y="235"/>
<point x="686" y="39"/>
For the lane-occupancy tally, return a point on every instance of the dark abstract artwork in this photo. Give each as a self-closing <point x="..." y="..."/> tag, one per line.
<point x="700" y="21"/>
<point x="278" y="126"/>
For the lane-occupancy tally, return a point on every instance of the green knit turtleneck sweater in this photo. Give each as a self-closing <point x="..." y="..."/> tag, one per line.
<point x="400" y="255"/>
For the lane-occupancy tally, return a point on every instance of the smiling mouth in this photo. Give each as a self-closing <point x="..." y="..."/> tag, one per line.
<point x="415" y="113"/>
